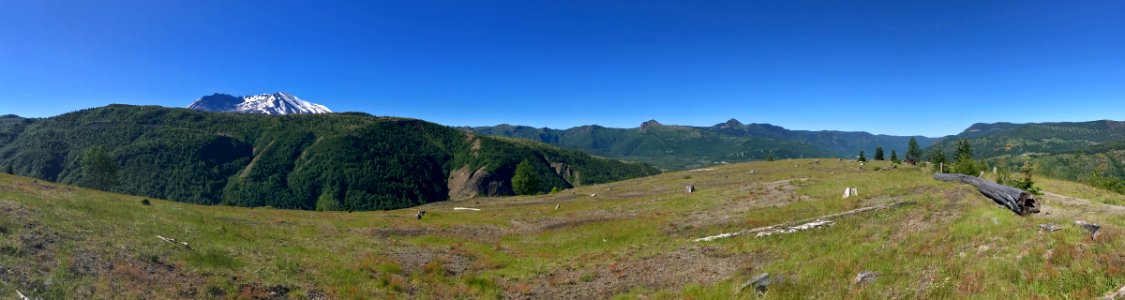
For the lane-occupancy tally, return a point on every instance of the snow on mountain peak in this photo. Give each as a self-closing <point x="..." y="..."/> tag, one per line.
<point x="280" y="103"/>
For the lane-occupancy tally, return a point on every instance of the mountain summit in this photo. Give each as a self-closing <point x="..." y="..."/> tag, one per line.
<point x="280" y="103"/>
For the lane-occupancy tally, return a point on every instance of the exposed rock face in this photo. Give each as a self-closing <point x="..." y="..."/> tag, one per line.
<point x="464" y="184"/>
<point x="649" y="124"/>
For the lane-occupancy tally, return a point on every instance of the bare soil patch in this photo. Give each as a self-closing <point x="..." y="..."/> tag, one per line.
<point x="671" y="270"/>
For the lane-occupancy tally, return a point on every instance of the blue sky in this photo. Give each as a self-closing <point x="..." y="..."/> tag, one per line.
<point x="892" y="67"/>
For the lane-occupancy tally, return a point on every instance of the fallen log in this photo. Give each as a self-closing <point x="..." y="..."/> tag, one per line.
<point x="21" y="296"/>
<point x="171" y="240"/>
<point x="466" y="208"/>
<point x="802" y="227"/>
<point x="1115" y="295"/>
<point x="1016" y="200"/>
<point x="805" y="221"/>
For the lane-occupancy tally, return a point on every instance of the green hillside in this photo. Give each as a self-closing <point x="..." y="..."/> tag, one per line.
<point x="345" y="161"/>
<point x="627" y="240"/>
<point x="1006" y="139"/>
<point x="1079" y="151"/>
<point x="681" y="147"/>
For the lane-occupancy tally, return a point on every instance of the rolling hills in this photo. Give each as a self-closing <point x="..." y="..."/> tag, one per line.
<point x="1065" y="150"/>
<point x="1008" y="139"/>
<point x="349" y="161"/>
<point x="629" y="239"/>
<point x="676" y="147"/>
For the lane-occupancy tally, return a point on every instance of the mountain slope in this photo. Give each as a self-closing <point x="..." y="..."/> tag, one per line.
<point x="666" y="146"/>
<point x="679" y="147"/>
<point x="838" y="143"/>
<point x="1007" y="139"/>
<point x="280" y="103"/>
<point x="329" y="161"/>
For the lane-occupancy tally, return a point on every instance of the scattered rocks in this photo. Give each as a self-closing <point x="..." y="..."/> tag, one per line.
<point x="850" y="192"/>
<point x="1050" y="227"/>
<point x="256" y="291"/>
<point x="866" y="277"/>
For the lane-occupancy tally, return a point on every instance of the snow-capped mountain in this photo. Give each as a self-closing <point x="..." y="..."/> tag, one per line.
<point x="280" y="103"/>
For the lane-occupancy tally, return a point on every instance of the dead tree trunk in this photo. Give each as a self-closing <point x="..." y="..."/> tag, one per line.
<point x="1016" y="200"/>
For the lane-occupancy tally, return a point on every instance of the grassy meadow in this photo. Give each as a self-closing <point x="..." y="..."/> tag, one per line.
<point x="627" y="240"/>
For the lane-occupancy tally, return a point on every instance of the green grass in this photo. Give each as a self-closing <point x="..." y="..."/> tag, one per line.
<point x="950" y="243"/>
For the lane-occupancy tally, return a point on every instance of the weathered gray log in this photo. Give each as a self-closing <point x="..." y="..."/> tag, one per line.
<point x="1016" y="200"/>
<point x="1115" y="295"/>
<point x="805" y="221"/>
<point x="760" y="283"/>
<point x="866" y="277"/>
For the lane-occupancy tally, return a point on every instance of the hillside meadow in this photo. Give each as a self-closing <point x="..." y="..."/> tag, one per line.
<point x="630" y="239"/>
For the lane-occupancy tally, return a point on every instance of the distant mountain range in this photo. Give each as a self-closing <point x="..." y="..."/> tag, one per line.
<point x="280" y="103"/>
<point x="677" y="147"/>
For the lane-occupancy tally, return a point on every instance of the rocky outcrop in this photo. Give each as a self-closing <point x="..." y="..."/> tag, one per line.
<point x="464" y="183"/>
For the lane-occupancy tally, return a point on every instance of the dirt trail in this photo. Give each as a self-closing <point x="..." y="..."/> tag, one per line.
<point x="1063" y="205"/>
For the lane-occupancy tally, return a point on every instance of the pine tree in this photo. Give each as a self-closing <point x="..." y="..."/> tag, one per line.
<point x="525" y="181"/>
<point x="769" y="157"/>
<point x="878" y="153"/>
<point x="913" y="152"/>
<point x="861" y="157"/>
<point x="963" y="159"/>
<point x="99" y="168"/>
<point x="964" y="150"/>
<point x="938" y="159"/>
<point x="894" y="157"/>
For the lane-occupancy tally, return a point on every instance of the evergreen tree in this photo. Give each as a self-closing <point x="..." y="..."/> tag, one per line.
<point x="938" y="159"/>
<point x="894" y="157"/>
<point x="328" y="200"/>
<point x="525" y="181"/>
<point x="99" y="169"/>
<point x="1025" y="183"/>
<point x="769" y="157"/>
<point x="861" y="157"/>
<point x="878" y="153"/>
<point x="963" y="160"/>
<point x="913" y="152"/>
<point x="964" y="151"/>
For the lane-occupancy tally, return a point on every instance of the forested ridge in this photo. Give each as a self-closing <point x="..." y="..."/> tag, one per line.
<point x="345" y="161"/>
<point x="675" y="147"/>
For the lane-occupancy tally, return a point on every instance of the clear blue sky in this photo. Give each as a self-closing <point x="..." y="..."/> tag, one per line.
<point x="893" y="67"/>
